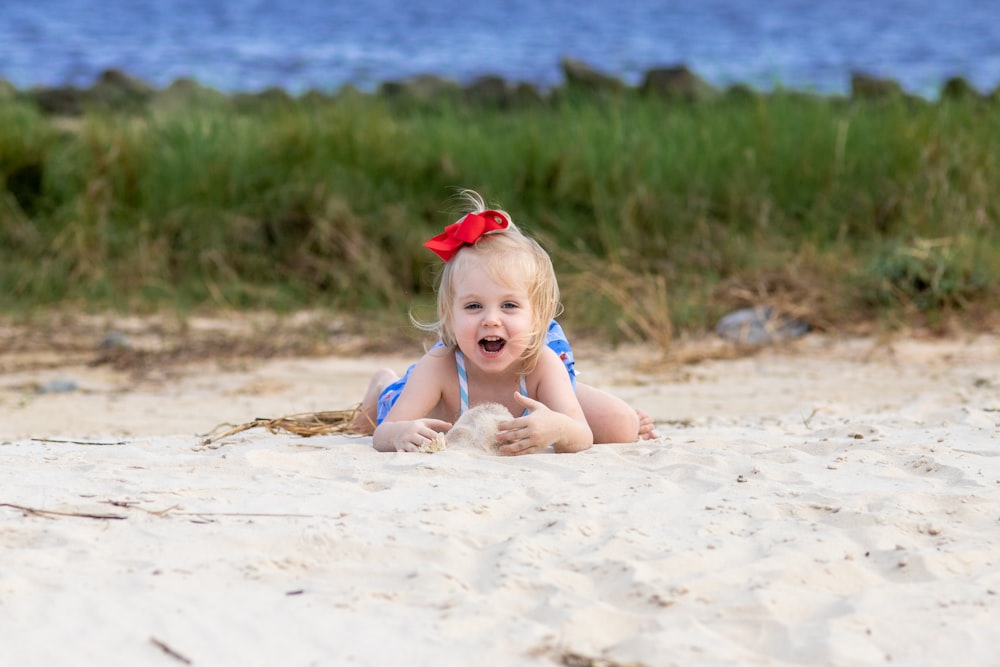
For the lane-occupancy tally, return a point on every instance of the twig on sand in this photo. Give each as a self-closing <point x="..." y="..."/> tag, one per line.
<point x="130" y="504"/>
<point x="79" y="442"/>
<point x="173" y="510"/>
<point x="160" y="644"/>
<point x="305" y="424"/>
<point x="51" y="513"/>
<point x="572" y="659"/>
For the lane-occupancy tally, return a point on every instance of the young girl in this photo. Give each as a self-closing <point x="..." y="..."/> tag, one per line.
<point x="499" y="343"/>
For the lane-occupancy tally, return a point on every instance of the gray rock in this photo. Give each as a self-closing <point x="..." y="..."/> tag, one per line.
<point x="581" y="76"/>
<point x="759" y="326"/>
<point x="868" y="87"/>
<point x="423" y="88"/>
<point x="115" y="340"/>
<point x="677" y="83"/>
<point x="58" y="386"/>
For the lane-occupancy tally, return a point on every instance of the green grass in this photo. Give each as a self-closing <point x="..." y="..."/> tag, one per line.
<point x="664" y="215"/>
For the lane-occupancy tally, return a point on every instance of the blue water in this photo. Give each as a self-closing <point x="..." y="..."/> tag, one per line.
<point x="247" y="45"/>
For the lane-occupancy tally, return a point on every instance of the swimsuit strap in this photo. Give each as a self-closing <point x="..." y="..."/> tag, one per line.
<point x="463" y="384"/>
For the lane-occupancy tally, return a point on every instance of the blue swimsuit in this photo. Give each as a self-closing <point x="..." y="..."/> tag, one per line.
<point x="556" y="340"/>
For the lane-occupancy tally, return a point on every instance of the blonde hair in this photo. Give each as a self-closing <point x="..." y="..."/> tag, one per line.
<point x="510" y="258"/>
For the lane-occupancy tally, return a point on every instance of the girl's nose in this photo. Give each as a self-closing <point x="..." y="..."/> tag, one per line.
<point x="491" y="317"/>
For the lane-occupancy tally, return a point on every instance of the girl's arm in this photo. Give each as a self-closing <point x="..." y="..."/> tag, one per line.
<point x="556" y="417"/>
<point x="408" y="424"/>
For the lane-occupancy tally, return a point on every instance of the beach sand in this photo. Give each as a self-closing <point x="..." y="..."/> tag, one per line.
<point x="835" y="501"/>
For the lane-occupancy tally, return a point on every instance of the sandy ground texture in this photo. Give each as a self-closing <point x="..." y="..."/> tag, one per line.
<point x="835" y="501"/>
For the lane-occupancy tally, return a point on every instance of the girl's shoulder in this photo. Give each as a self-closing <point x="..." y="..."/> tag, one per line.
<point x="437" y="360"/>
<point x="550" y="383"/>
<point x="549" y="365"/>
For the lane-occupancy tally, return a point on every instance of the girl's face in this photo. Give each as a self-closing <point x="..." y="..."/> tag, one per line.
<point x="492" y="322"/>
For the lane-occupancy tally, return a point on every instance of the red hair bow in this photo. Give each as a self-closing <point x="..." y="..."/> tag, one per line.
<point x="466" y="231"/>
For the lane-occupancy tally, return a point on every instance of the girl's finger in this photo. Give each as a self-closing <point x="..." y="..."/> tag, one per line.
<point x="529" y="403"/>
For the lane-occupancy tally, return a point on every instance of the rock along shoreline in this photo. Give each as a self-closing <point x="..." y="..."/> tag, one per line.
<point x="117" y="90"/>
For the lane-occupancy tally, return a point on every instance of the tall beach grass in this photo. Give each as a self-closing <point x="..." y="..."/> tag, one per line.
<point x="661" y="216"/>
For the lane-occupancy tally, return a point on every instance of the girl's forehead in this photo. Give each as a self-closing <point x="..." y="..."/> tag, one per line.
<point x="477" y="279"/>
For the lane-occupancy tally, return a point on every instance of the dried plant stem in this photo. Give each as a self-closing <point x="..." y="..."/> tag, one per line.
<point x="160" y="644"/>
<point x="52" y="513"/>
<point x="305" y="424"/>
<point x="79" y="442"/>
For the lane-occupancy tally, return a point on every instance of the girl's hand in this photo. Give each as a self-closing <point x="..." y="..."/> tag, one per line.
<point x="532" y="433"/>
<point x="409" y="436"/>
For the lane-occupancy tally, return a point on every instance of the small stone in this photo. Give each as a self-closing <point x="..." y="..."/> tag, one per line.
<point x="115" y="340"/>
<point x="58" y="386"/>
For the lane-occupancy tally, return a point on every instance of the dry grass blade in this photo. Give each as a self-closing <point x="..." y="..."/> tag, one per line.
<point x="305" y="424"/>
<point x="80" y="442"/>
<point x="36" y="511"/>
<point x="163" y="646"/>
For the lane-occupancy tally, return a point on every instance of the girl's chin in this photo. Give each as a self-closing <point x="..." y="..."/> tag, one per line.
<point x="492" y="357"/>
<point x="502" y="357"/>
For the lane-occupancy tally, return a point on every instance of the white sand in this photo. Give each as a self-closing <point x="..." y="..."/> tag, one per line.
<point x="833" y="503"/>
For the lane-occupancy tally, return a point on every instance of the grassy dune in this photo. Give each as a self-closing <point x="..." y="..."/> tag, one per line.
<point x="660" y="216"/>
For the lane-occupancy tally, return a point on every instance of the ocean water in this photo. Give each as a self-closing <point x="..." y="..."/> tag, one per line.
<point x="248" y="45"/>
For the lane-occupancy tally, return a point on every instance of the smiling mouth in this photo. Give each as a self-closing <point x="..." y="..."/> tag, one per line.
<point x="492" y="344"/>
